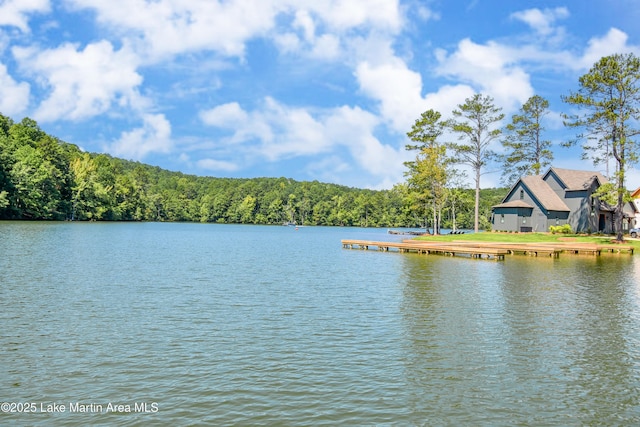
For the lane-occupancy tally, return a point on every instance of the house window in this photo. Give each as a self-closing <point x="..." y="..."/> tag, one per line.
<point x="521" y="194"/>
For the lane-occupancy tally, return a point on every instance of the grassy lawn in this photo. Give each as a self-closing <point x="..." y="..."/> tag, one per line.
<point x="528" y="238"/>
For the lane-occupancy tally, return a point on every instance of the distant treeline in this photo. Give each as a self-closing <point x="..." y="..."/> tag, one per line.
<point x="43" y="178"/>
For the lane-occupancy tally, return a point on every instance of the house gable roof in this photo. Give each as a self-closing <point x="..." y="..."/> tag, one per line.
<point x="514" y="204"/>
<point x="544" y="193"/>
<point x="573" y="180"/>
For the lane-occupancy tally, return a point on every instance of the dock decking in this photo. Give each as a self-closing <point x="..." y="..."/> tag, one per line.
<point x="492" y="251"/>
<point x="419" y="247"/>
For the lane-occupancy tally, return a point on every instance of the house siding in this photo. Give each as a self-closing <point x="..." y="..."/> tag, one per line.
<point x="518" y="219"/>
<point x="505" y="219"/>
<point x="509" y="219"/>
<point x="580" y="219"/>
<point x="634" y="213"/>
<point x="555" y="218"/>
<point x="585" y="213"/>
<point x="556" y="185"/>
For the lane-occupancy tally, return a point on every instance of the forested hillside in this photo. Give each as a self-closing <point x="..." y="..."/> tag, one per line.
<point x="43" y="178"/>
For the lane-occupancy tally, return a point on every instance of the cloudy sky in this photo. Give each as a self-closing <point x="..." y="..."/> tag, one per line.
<point x="308" y="89"/>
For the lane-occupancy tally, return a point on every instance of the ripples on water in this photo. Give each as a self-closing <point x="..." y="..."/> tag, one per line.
<point x="239" y="325"/>
<point x="531" y="342"/>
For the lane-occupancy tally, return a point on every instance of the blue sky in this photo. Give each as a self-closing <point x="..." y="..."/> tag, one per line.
<point x="307" y="89"/>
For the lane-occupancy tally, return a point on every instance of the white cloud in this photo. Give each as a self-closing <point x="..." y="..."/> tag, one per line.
<point x="288" y="42"/>
<point x="346" y="14"/>
<point x="217" y="165"/>
<point x="427" y="14"/>
<point x="305" y="22"/>
<point x="277" y="131"/>
<point x="322" y="29"/>
<point x="397" y="88"/>
<point x="491" y="69"/>
<point x="353" y="128"/>
<point x="296" y="132"/>
<point x="153" y="136"/>
<point x="83" y="83"/>
<point x="326" y="47"/>
<point x="372" y="43"/>
<point x="447" y="99"/>
<point x="615" y="41"/>
<point x="168" y="27"/>
<point x="14" y="96"/>
<point x="554" y="120"/>
<point x="387" y="79"/>
<point x="244" y="126"/>
<point x="14" y="12"/>
<point x="541" y="20"/>
<point x="502" y="71"/>
<point x="329" y="168"/>
<point x="281" y="131"/>
<point x="229" y="115"/>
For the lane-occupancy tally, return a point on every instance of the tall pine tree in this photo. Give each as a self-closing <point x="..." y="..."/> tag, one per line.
<point x="527" y="152"/>
<point x="475" y="122"/>
<point x="609" y="97"/>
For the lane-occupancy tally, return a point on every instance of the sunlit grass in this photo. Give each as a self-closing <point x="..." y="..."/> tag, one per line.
<point x="527" y="238"/>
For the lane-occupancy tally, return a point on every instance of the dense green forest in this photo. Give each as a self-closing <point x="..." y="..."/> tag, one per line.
<point x="43" y="178"/>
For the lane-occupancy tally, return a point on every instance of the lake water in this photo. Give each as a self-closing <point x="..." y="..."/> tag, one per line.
<point x="197" y="324"/>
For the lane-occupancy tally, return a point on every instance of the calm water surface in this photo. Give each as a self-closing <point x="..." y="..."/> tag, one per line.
<point x="250" y="325"/>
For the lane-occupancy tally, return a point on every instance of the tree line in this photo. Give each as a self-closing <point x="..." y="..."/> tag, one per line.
<point x="607" y="114"/>
<point x="44" y="178"/>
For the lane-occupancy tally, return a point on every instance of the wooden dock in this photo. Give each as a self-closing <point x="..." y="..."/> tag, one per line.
<point x="489" y="250"/>
<point x="554" y="249"/>
<point x="432" y="248"/>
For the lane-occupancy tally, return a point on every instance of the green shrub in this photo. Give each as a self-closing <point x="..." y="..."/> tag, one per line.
<point x="561" y="229"/>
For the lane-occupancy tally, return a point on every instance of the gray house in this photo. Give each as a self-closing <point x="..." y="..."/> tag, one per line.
<point x="560" y="196"/>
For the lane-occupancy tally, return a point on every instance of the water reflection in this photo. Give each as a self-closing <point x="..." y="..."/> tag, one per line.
<point x="602" y="370"/>
<point x="238" y="325"/>
<point x="530" y="341"/>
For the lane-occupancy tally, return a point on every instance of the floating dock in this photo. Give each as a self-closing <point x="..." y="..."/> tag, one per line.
<point x="491" y="251"/>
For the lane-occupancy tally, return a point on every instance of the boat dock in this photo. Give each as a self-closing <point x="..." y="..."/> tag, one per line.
<point x="491" y="251"/>
<point x="431" y="248"/>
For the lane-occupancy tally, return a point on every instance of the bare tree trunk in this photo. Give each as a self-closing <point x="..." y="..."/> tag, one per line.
<point x="619" y="212"/>
<point x="453" y="214"/>
<point x="619" y="155"/>
<point x="435" y="220"/>
<point x="477" y="207"/>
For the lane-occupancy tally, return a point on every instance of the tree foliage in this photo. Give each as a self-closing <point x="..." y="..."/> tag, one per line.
<point x="429" y="172"/>
<point x="527" y="153"/>
<point x="609" y="103"/>
<point x="43" y="178"/>
<point x="475" y="124"/>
